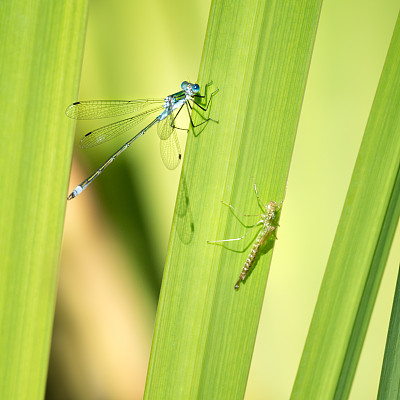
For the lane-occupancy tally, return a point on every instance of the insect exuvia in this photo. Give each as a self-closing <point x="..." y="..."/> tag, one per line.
<point x="269" y="222"/>
<point x="167" y="108"/>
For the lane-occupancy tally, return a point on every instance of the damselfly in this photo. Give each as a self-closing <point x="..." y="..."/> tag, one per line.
<point x="167" y="108"/>
<point x="269" y="222"/>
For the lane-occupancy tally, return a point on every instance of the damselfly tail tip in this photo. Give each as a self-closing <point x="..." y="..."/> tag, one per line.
<point x="75" y="193"/>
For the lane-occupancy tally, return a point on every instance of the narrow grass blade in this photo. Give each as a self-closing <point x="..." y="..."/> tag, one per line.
<point x="389" y="387"/>
<point x="359" y="253"/>
<point x="40" y="58"/>
<point x="258" y="55"/>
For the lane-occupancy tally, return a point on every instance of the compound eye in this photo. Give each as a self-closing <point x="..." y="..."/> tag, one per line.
<point x="196" y="88"/>
<point x="184" y="85"/>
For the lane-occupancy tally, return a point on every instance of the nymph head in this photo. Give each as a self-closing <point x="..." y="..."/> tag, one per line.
<point x="272" y="206"/>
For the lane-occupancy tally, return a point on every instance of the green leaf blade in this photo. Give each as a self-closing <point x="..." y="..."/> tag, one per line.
<point x="389" y="388"/>
<point x="39" y="69"/>
<point x="258" y="55"/>
<point x="360" y="250"/>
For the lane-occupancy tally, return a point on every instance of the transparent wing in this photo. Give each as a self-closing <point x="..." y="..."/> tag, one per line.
<point x="94" y="109"/>
<point x="170" y="151"/>
<point x="165" y="127"/>
<point x="111" y="131"/>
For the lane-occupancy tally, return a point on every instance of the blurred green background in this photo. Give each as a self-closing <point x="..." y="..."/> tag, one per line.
<point x="116" y="233"/>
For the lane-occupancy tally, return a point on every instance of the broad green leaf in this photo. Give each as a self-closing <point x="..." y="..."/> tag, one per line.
<point x="258" y="55"/>
<point x="359" y="253"/>
<point x="40" y="59"/>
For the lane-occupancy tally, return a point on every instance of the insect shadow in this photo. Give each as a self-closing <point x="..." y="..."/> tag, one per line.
<point x="185" y="221"/>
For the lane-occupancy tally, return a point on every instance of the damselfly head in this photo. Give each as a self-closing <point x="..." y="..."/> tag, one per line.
<point x="190" y="88"/>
